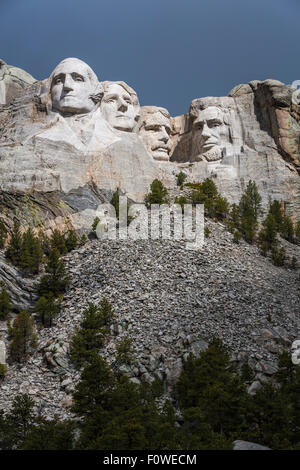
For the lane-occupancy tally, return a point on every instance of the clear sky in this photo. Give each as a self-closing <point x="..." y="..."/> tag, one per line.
<point x="169" y="51"/>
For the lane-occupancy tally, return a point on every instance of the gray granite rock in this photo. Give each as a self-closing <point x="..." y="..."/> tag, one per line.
<point x="245" y="445"/>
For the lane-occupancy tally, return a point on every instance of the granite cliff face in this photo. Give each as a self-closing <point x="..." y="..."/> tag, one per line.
<point x="68" y="142"/>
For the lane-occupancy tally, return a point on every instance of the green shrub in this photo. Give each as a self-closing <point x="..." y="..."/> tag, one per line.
<point x="181" y="200"/>
<point x="83" y="239"/>
<point x="181" y="177"/>
<point x="125" y="351"/>
<point x="294" y="263"/>
<point x="207" y="232"/>
<point x="3" y="370"/>
<point x="278" y="256"/>
<point x="297" y="233"/>
<point x="237" y="237"/>
<point x="95" y="223"/>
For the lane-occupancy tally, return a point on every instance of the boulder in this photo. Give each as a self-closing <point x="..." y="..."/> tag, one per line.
<point x="245" y="445"/>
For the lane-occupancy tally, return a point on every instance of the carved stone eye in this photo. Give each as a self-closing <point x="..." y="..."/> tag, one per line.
<point x="77" y="78"/>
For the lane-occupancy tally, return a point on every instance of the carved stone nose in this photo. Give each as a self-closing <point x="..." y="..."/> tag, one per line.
<point x="206" y="131"/>
<point x="122" y="105"/>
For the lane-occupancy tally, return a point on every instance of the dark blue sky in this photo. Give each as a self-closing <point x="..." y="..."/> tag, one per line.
<point x="169" y="51"/>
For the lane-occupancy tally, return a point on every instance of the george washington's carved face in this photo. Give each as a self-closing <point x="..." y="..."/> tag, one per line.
<point x="155" y="132"/>
<point x="118" y="108"/>
<point x="72" y="86"/>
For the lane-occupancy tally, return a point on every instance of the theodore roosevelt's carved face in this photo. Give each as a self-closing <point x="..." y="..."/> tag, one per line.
<point x="118" y="107"/>
<point x="155" y="132"/>
<point x="72" y="87"/>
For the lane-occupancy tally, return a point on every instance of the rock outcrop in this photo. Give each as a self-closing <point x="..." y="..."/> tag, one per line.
<point x="13" y="81"/>
<point x="246" y="445"/>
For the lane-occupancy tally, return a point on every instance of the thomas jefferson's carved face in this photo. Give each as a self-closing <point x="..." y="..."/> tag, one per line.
<point x="118" y="108"/>
<point x="155" y="133"/>
<point x="72" y="87"/>
<point x="210" y="125"/>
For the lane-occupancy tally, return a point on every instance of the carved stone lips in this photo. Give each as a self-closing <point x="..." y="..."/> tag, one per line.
<point x="209" y="143"/>
<point x="161" y="149"/>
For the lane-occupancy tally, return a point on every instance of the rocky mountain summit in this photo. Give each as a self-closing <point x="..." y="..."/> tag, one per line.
<point x="170" y="301"/>
<point x="69" y="141"/>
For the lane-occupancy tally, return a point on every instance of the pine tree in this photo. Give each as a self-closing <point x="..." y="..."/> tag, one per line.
<point x="57" y="280"/>
<point x="278" y="256"/>
<point x="31" y="254"/>
<point x="221" y="207"/>
<point x="5" y="303"/>
<point x="71" y="240"/>
<point x="17" y="423"/>
<point x="277" y="212"/>
<point x="235" y="216"/>
<point x="287" y="229"/>
<point x="45" y="242"/>
<point x="47" y="308"/>
<point x="209" y="188"/>
<point x="91" y="335"/>
<point x="58" y="242"/>
<point x="93" y="390"/>
<point x="125" y="351"/>
<point x="13" y="251"/>
<point x="22" y="337"/>
<point x="157" y="195"/>
<point x="268" y="233"/>
<point x="211" y="389"/>
<point x="250" y="203"/>
<point x="181" y="177"/>
<point x="50" y="435"/>
<point x="115" y="202"/>
<point x="297" y="233"/>
<point x="3" y="234"/>
<point x="117" y="414"/>
<point x="95" y="223"/>
<point x="250" y="209"/>
<point x="270" y="418"/>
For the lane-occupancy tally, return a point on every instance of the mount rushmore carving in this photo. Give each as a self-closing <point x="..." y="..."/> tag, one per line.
<point x="74" y="139"/>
